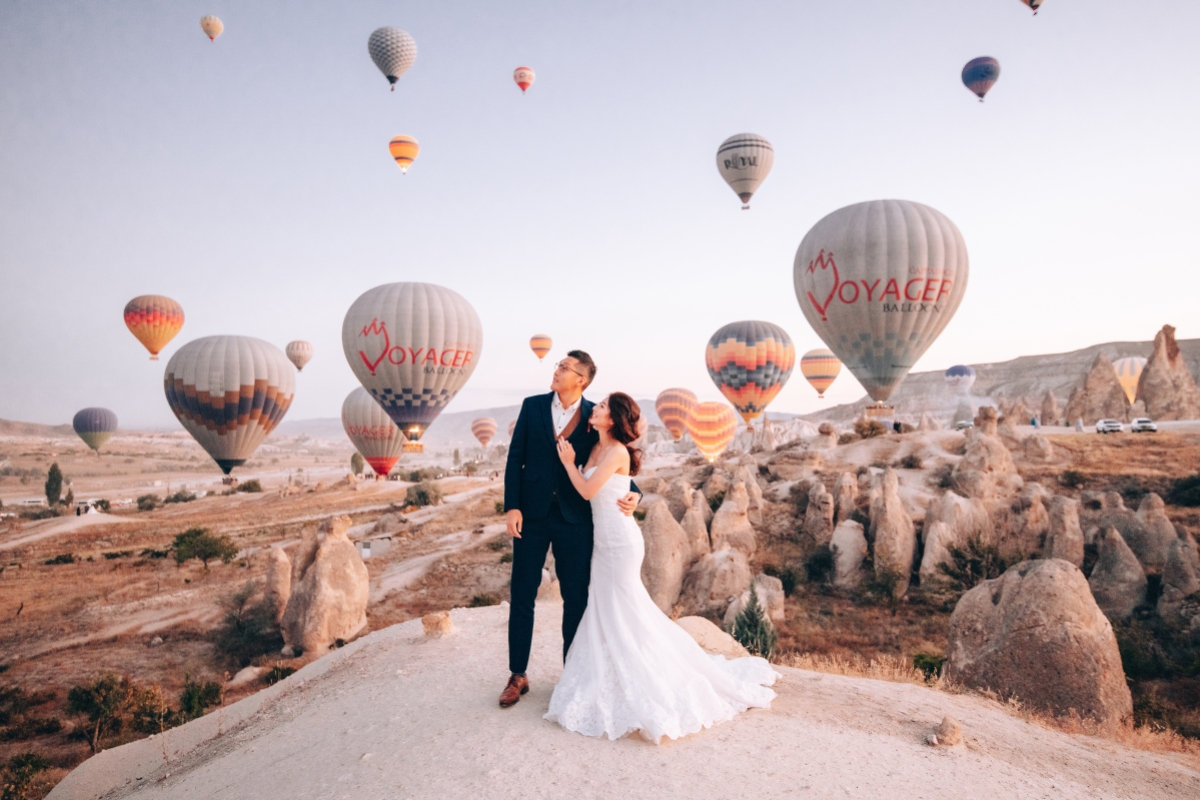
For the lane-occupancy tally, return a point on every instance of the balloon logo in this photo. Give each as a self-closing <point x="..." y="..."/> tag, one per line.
<point x="372" y="431"/>
<point x="744" y="161"/>
<point x="211" y="26"/>
<point x="484" y="429"/>
<point x="299" y="353"/>
<point x="820" y="368"/>
<point x="95" y="426"/>
<point x="1129" y="372"/>
<point x="980" y="74"/>
<point x="404" y="150"/>
<point x="712" y="427"/>
<point x="393" y="51"/>
<point x="540" y="344"/>
<point x="524" y="77"/>
<point x="154" y="320"/>
<point x="750" y="361"/>
<point x="674" y="407"/>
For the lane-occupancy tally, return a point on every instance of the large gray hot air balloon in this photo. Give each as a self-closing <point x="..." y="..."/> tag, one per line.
<point x="879" y="281"/>
<point x="412" y="346"/>
<point x="229" y="392"/>
<point x="393" y="51"/>
<point x="97" y="425"/>
<point x="372" y="431"/>
<point x="744" y="161"/>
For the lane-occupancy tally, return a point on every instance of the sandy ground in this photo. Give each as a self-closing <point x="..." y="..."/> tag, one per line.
<point x="396" y="715"/>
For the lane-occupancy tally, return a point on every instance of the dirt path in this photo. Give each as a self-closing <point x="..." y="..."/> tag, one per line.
<point x="45" y="528"/>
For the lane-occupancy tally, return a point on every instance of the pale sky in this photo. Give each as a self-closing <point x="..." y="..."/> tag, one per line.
<point x="249" y="179"/>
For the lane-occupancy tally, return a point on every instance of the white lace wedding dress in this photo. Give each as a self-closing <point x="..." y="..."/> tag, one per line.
<point x="630" y="667"/>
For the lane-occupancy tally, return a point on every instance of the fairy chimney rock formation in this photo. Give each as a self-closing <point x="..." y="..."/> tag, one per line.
<point x="714" y="581"/>
<point x="987" y="419"/>
<point x="1065" y="538"/>
<point x="731" y="524"/>
<point x="695" y="527"/>
<point x="1051" y="411"/>
<point x="893" y="533"/>
<point x="1100" y="396"/>
<point x="770" y="597"/>
<point x="668" y="555"/>
<point x="1158" y="534"/>
<point x="278" y="587"/>
<point x="1118" y="581"/>
<point x="845" y="495"/>
<point x="849" y="546"/>
<point x="818" y="519"/>
<point x="329" y="593"/>
<point x="1167" y="387"/>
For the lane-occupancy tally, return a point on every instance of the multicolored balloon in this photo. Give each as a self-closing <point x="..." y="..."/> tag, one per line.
<point x="540" y="344"/>
<point x="524" y="77"/>
<point x="1034" y="4"/>
<point x="980" y="74"/>
<point x="820" y="367"/>
<point x="372" y="431"/>
<point x="750" y="361"/>
<point x="95" y="426"/>
<point x="484" y="429"/>
<point x="960" y="378"/>
<point x="878" y="281"/>
<point x="154" y="320"/>
<point x="674" y="407"/>
<point x="413" y="346"/>
<point x="1129" y="372"/>
<point x="393" y="51"/>
<point x="744" y="161"/>
<point x="712" y="426"/>
<point x="404" y="150"/>
<point x="229" y="392"/>
<point x="299" y="353"/>
<point x="211" y="26"/>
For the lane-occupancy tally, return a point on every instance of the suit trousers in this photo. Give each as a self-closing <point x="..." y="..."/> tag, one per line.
<point x="571" y="543"/>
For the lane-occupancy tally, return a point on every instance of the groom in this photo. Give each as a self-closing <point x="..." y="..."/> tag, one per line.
<point x="544" y="511"/>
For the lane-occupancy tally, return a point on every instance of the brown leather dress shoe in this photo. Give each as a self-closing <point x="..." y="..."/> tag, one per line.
<point x="517" y="686"/>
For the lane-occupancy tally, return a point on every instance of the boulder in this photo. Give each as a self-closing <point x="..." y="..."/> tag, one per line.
<point x="1036" y="634"/>
<point x="1180" y="577"/>
<point x="695" y="528"/>
<point x="986" y="469"/>
<point x="827" y="436"/>
<point x="1118" y="581"/>
<point x="987" y="420"/>
<point x="770" y="597"/>
<point x="244" y="676"/>
<point x="329" y="596"/>
<point x="731" y="524"/>
<point x="939" y="538"/>
<point x="1032" y="523"/>
<point x="845" y="496"/>
<point x="849" y="546"/>
<point x="278" y="587"/>
<point x="668" y="556"/>
<point x="754" y="495"/>
<point x="1100" y="396"/>
<point x="714" y="581"/>
<point x="1036" y="447"/>
<point x="679" y="498"/>
<point x="437" y="624"/>
<point x="818" y="518"/>
<point x="1064" y="540"/>
<point x="892" y="532"/>
<point x="390" y="523"/>
<point x="717" y="484"/>
<point x="1133" y="532"/>
<point x="1051" y="411"/>
<point x="928" y="423"/>
<point x="1158" y="534"/>
<point x="712" y="639"/>
<point x="796" y="463"/>
<point x="1167" y="387"/>
<point x="966" y="519"/>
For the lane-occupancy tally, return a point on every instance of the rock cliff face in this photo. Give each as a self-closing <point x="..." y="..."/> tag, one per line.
<point x="1100" y="396"/>
<point x="1167" y="386"/>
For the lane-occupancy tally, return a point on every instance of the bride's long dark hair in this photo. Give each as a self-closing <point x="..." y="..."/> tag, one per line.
<point x="626" y="414"/>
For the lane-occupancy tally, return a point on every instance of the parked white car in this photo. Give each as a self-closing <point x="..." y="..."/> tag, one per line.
<point x="1109" y="426"/>
<point x="1143" y="425"/>
<point x="963" y="424"/>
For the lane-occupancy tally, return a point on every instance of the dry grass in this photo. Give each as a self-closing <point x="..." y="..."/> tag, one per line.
<point x="893" y="669"/>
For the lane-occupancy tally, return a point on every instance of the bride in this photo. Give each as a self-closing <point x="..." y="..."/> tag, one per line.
<point x="630" y="667"/>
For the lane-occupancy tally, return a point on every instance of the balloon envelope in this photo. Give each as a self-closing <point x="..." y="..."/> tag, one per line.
<point x="484" y="429"/>
<point x="393" y="51"/>
<point x="372" y="431"/>
<point x="512" y="426"/>
<point x="750" y="361"/>
<point x="404" y="150"/>
<point x="413" y="346"/>
<point x="299" y="353"/>
<point x="1129" y="372"/>
<point x="960" y="377"/>
<point x="712" y="426"/>
<point x="878" y="281"/>
<point x="229" y="392"/>
<point x="540" y="344"/>
<point x="674" y="407"/>
<point x="154" y="320"/>
<point x="744" y="161"/>
<point x="524" y="77"/>
<point x="211" y="26"/>
<point x="820" y="368"/>
<point x="1034" y="4"/>
<point x="980" y="74"/>
<point x="95" y="426"/>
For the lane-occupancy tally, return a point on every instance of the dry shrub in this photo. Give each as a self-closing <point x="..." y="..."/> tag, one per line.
<point x="895" y="669"/>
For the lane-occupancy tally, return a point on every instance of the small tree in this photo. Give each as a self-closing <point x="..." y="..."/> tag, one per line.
<point x="356" y="463"/>
<point x="425" y="493"/>
<point x="197" y="696"/>
<point x="753" y="629"/>
<point x="457" y="459"/>
<point x="54" y="484"/>
<point x="150" y="711"/>
<point x="20" y="780"/>
<point x="199" y="543"/>
<point x="105" y="702"/>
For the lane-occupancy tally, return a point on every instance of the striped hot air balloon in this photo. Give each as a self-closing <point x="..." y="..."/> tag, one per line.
<point x="1129" y="372"/>
<point x="299" y="353"/>
<point x="211" y="26"/>
<point x="540" y="344"/>
<point x="229" y="392"/>
<point x="95" y="426"/>
<point x="820" y="368"/>
<point x="404" y="150"/>
<point x="712" y="426"/>
<point x="1034" y="4"/>
<point x="393" y="51"/>
<point x="484" y="429"/>
<point x="154" y="320"/>
<point x="980" y="74"/>
<point x="750" y="361"/>
<point x="744" y="161"/>
<point x="372" y="431"/>
<point x="674" y="408"/>
<point x="524" y="77"/>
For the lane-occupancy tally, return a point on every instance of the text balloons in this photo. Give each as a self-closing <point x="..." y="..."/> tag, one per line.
<point x="372" y="431"/>
<point x="404" y="150"/>
<point x="413" y="346"/>
<point x="484" y="429"/>
<point x="299" y="353"/>
<point x="981" y="74"/>
<point x="960" y="378"/>
<point x="1129" y="372"/>
<point x="674" y="407"/>
<point x="744" y="161"/>
<point x="820" y="368"/>
<point x="154" y="320"/>
<point x="393" y="51"/>
<point x="750" y="361"/>
<point x="229" y="392"/>
<point x="211" y="26"/>
<point x="540" y="344"/>
<point x="712" y="426"/>
<point x="95" y="426"/>
<point x="524" y="77"/>
<point x="878" y="281"/>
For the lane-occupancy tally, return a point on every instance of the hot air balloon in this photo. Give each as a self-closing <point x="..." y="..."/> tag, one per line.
<point x="372" y="431"/>
<point x="229" y="392"/>
<point x="154" y="320"/>
<point x="512" y="426"/>
<point x="878" y="281"/>
<point x="404" y="150"/>
<point x="712" y="426"/>
<point x="412" y="346"/>
<point x="744" y="161"/>
<point x="750" y="361"/>
<point x="393" y="51"/>
<point x="820" y="368"/>
<point x="1034" y="4"/>
<point x="299" y="353"/>
<point x="980" y="74"/>
<point x="540" y="344"/>
<point x="674" y="408"/>
<point x="524" y="77"/>
<point x="960" y="378"/>
<point x="95" y="426"/>
<point x="211" y="26"/>
<point x="1129" y="371"/>
<point x="484" y="429"/>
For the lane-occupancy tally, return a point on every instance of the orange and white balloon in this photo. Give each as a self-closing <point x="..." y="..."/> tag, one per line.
<point x="524" y="77"/>
<point x="674" y="407"/>
<point x="820" y="368"/>
<point x="484" y="429"/>
<point x="712" y="426"/>
<point x="154" y="320"/>
<point x="540" y="344"/>
<point x="404" y="150"/>
<point x="211" y="26"/>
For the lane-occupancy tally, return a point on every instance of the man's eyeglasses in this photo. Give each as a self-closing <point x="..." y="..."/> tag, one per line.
<point x="563" y="366"/>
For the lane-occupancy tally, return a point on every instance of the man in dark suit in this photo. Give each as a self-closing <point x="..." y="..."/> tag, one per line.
<point x="544" y="511"/>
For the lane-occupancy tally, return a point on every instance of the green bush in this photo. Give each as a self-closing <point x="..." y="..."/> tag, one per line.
<point x="819" y="565"/>
<point x="787" y="576"/>
<point x="117" y="554"/>
<point x="150" y="552"/>
<point x="250" y="487"/>
<point x="197" y="696"/>
<point x="483" y="600"/>
<point x="506" y="558"/>
<point x="62" y="558"/>
<point x="103" y="703"/>
<point x="277" y="673"/>
<point x="199" y="543"/>
<point x="1185" y="492"/>
<point x="356" y="463"/>
<point x="148" y="502"/>
<point x="30" y="728"/>
<point x="182" y="496"/>
<point x="499" y="506"/>
<point x="716" y="500"/>
<point x="1072" y="478"/>
<point x="248" y="629"/>
<point x="102" y="505"/>
<point x="150" y="713"/>
<point x="870" y="428"/>
<point x="499" y="543"/>
<point x="975" y="563"/>
<point x="424" y="493"/>
<point x="425" y="474"/>
<point x="54" y="484"/>
<point x="753" y="629"/>
<point x="639" y="515"/>
<point x="910" y="461"/>
<point x="19" y="779"/>
<point x="929" y="663"/>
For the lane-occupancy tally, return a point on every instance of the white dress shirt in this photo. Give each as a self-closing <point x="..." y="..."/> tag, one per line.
<point x="561" y="416"/>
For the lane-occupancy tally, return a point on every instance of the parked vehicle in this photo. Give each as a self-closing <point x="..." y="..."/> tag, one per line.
<point x="1143" y="425"/>
<point x="963" y="424"/>
<point x="1109" y="426"/>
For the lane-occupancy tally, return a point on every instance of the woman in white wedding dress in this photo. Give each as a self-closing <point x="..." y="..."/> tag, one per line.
<point x="630" y="668"/>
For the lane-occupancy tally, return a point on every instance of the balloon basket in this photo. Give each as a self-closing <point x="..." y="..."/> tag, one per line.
<point x="413" y="447"/>
<point x="879" y="412"/>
